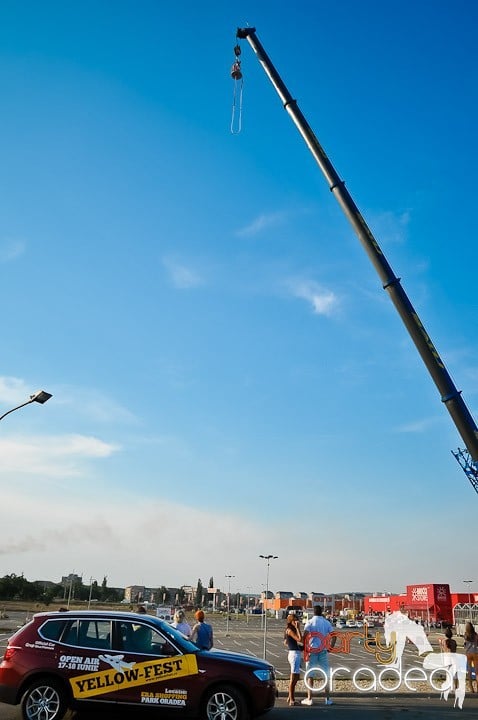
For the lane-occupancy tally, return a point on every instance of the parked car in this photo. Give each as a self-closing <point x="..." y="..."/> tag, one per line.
<point x="62" y="660"/>
<point x="351" y="624"/>
<point x="340" y="624"/>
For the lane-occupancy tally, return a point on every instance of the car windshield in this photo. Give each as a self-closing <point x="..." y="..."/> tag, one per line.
<point x="178" y="638"/>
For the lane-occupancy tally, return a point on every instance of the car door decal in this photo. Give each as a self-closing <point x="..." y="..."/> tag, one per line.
<point x="121" y="676"/>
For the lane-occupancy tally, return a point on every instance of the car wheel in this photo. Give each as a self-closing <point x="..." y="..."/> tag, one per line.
<point x="225" y="703"/>
<point x="44" y="700"/>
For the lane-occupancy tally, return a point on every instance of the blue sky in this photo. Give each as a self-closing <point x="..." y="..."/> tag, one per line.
<point x="229" y="378"/>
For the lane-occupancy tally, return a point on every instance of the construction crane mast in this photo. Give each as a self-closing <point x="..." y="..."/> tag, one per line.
<point x="450" y="396"/>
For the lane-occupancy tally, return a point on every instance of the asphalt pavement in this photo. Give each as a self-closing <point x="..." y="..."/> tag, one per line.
<point x="355" y="708"/>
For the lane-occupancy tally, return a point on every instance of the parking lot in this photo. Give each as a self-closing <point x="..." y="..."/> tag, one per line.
<point x="246" y="635"/>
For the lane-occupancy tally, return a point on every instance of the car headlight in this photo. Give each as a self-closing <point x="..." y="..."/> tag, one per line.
<point x="264" y="675"/>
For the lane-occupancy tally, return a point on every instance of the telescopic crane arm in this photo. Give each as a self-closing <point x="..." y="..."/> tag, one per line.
<point x="450" y="396"/>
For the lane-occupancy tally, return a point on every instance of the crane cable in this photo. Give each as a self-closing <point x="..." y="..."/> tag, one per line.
<point x="236" y="74"/>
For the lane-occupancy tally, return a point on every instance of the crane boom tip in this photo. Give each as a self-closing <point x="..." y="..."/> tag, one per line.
<point x="242" y="33"/>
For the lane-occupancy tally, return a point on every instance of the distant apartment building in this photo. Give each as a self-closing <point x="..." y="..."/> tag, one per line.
<point x="135" y="594"/>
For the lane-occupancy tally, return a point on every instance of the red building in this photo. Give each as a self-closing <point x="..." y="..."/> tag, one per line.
<point x="429" y="602"/>
<point x="464" y="597"/>
<point x="383" y="604"/>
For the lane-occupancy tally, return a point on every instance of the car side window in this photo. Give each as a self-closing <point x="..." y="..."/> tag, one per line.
<point x="140" y="638"/>
<point x="89" y="634"/>
<point x="52" y="629"/>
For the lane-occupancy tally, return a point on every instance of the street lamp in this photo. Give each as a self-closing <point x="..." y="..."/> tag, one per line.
<point x="229" y="578"/>
<point x="40" y="397"/>
<point x="468" y="582"/>
<point x="91" y="590"/>
<point x="248" y="604"/>
<point x="268" y="559"/>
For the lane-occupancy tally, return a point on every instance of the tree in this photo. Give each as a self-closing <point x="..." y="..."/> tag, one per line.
<point x="199" y="594"/>
<point x="104" y="588"/>
<point x="163" y="595"/>
<point x="95" y="590"/>
<point x="15" y="587"/>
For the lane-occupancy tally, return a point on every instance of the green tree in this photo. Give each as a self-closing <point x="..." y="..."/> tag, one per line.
<point x="104" y="589"/>
<point x="95" y="590"/>
<point x="163" y="595"/>
<point x="16" y="587"/>
<point x="199" y="594"/>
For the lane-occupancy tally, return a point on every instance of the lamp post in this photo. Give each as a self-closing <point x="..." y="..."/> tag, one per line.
<point x="268" y="559"/>
<point x="428" y="611"/>
<point x="91" y="589"/>
<point x="40" y="397"/>
<point x="228" y="578"/>
<point x="468" y="582"/>
<point x="248" y="604"/>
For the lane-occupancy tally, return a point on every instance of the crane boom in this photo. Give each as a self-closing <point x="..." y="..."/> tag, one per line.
<point x="450" y="396"/>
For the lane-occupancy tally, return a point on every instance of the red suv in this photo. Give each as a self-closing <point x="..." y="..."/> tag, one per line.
<point x="64" y="660"/>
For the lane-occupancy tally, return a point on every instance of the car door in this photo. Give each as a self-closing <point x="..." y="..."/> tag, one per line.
<point x="83" y="645"/>
<point x="149" y="669"/>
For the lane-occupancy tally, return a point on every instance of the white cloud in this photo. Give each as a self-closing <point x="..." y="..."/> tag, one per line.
<point x="89" y="403"/>
<point x="260" y="223"/>
<point x="324" y="302"/>
<point x="124" y="527"/>
<point x="417" y="426"/>
<point x="55" y="456"/>
<point x="93" y="404"/>
<point x="389" y="227"/>
<point x="99" y="533"/>
<point x="11" y="250"/>
<point x="13" y="391"/>
<point x="181" y="276"/>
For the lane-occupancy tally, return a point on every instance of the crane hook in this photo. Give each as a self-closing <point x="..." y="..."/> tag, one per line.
<point x="236" y="74"/>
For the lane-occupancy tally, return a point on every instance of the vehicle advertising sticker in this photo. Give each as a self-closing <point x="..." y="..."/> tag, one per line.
<point x="126" y="674"/>
<point x="175" y="697"/>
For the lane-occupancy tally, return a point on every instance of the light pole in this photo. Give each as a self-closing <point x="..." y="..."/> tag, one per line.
<point x="468" y="582"/>
<point x="40" y="397"/>
<point x="91" y="588"/>
<point x="70" y="592"/>
<point x="228" y="578"/>
<point x="268" y="559"/>
<point x="248" y="604"/>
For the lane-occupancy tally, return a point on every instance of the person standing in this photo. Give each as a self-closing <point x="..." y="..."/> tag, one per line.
<point x="448" y="643"/>
<point x="471" y="652"/>
<point x="292" y="640"/>
<point x="202" y="634"/>
<point x="181" y="624"/>
<point x="316" y="632"/>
